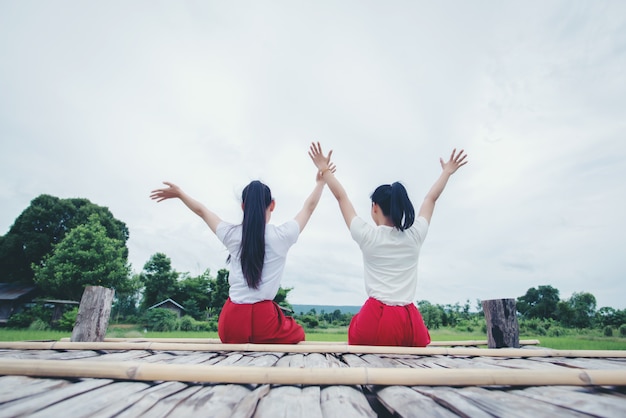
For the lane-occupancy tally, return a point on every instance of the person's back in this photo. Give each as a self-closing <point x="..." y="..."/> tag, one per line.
<point x="257" y="251"/>
<point x="390" y="256"/>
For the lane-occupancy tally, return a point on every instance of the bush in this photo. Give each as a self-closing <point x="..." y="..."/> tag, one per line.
<point x="608" y="331"/>
<point x="622" y="330"/>
<point x="38" y="325"/>
<point x="29" y="315"/>
<point x="68" y="320"/>
<point x="160" y="319"/>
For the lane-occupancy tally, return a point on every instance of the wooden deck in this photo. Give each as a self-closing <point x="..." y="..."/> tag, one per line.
<point x="154" y="378"/>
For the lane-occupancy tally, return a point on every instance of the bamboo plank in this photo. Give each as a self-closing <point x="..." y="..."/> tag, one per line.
<point x="505" y="404"/>
<point x="164" y="408"/>
<point x="583" y="400"/>
<point x="42" y="401"/>
<point x="220" y="400"/>
<point x="454" y="343"/>
<point x="344" y="402"/>
<point x="310" y="376"/>
<point x="18" y="387"/>
<point x="501" y="352"/>
<point x="405" y="402"/>
<point x="86" y="404"/>
<point x="246" y="407"/>
<point x="138" y="403"/>
<point x="287" y="401"/>
<point x="451" y="399"/>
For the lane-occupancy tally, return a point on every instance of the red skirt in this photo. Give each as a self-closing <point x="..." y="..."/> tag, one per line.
<point x="381" y="324"/>
<point x="260" y="323"/>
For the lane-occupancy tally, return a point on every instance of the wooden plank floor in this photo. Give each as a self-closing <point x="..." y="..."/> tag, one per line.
<point x="99" y="397"/>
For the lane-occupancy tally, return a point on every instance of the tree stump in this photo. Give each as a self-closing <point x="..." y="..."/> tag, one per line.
<point x="93" y="314"/>
<point x="502" y="326"/>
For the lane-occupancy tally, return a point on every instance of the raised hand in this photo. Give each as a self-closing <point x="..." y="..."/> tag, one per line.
<point x="172" y="191"/>
<point x="320" y="175"/>
<point x="455" y="162"/>
<point x="321" y="161"/>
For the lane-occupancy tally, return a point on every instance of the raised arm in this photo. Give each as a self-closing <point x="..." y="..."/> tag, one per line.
<point x="311" y="202"/>
<point x="323" y="165"/>
<point x="448" y="168"/>
<point x="173" y="191"/>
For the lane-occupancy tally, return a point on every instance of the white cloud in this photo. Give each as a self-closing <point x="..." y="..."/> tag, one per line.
<point x="106" y="101"/>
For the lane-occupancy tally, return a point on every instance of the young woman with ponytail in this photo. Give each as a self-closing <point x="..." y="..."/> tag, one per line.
<point x="390" y="253"/>
<point x="257" y="251"/>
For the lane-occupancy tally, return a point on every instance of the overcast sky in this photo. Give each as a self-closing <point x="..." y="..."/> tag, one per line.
<point x="105" y="100"/>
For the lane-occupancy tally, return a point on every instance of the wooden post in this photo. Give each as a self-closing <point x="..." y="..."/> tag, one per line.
<point x="93" y="314"/>
<point x="502" y="326"/>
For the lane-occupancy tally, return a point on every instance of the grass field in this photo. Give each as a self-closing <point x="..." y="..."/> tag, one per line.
<point x="587" y="341"/>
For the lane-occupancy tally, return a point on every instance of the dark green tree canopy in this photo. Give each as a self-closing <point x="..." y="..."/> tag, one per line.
<point x="45" y="223"/>
<point x="86" y="256"/>
<point x="539" y="303"/>
<point x="160" y="281"/>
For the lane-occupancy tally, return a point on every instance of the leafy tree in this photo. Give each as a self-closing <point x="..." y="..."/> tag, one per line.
<point x="125" y="303"/>
<point x="86" y="256"/>
<point x="281" y="297"/>
<point x="194" y="293"/>
<point x="160" y="281"/>
<point x="45" y="223"/>
<point x="582" y="310"/>
<point x="610" y="316"/>
<point x="219" y="291"/>
<point x="432" y="314"/>
<point x="539" y="303"/>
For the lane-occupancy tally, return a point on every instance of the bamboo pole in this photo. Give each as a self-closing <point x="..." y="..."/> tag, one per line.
<point x="457" y="343"/>
<point x="296" y="348"/>
<point x="309" y="376"/>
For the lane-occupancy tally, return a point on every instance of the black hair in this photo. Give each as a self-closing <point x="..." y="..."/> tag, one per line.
<point x="256" y="198"/>
<point x="395" y="204"/>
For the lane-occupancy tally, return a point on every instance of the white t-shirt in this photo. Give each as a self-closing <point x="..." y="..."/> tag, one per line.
<point x="390" y="259"/>
<point x="278" y="240"/>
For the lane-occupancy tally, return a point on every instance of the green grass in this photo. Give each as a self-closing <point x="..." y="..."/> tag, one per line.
<point x="587" y="340"/>
<point x="32" y="335"/>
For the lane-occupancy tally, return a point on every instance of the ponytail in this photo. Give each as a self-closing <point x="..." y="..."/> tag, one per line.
<point x="256" y="198"/>
<point x="395" y="204"/>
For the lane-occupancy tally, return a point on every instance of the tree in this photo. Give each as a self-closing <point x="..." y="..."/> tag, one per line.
<point x="539" y="303"/>
<point x="582" y="310"/>
<point x="86" y="256"/>
<point x="194" y="294"/>
<point x="281" y="297"/>
<point x="160" y="281"/>
<point x="125" y="303"/>
<point x="219" y="291"/>
<point x="607" y="316"/>
<point x="44" y="224"/>
<point x="432" y="314"/>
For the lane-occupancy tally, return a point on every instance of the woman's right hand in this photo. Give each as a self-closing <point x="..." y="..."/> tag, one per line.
<point x="172" y="191"/>
<point x="321" y="161"/>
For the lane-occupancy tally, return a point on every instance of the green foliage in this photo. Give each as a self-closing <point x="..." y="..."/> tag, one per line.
<point x="31" y="313"/>
<point x="622" y="330"/>
<point x="86" y="256"/>
<point x="539" y="303"/>
<point x="578" y="311"/>
<point x="68" y="320"/>
<point x="281" y="297"/>
<point x="159" y="280"/>
<point x="39" y="325"/>
<point x="608" y="331"/>
<point x="219" y="292"/>
<point x="159" y="319"/>
<point x="44" y="224"/>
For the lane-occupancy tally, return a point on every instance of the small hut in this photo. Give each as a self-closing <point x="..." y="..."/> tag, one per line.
<point x="171" y="305"/>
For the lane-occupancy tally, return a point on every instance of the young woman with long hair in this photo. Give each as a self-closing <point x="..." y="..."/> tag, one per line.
<point x="257" y="252"/>
<point x="390" y="253"/>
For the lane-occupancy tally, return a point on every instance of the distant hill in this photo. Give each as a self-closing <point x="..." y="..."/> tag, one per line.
<point x="297" y="309"/>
